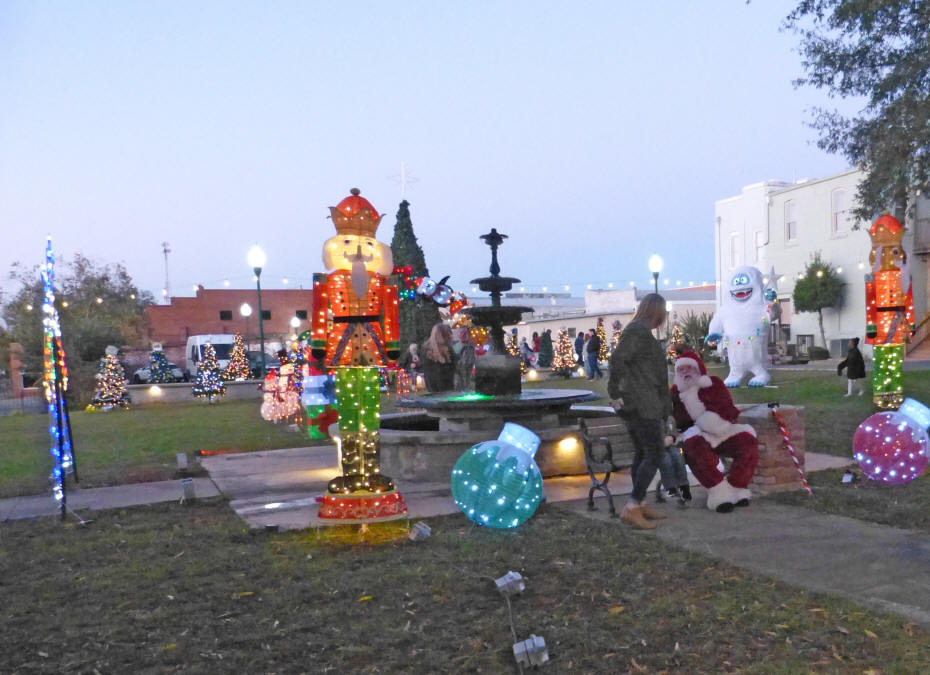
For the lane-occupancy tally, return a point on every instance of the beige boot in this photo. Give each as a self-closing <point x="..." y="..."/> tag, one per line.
<point x="651" y="513"/>
<point x="632" y="515"/>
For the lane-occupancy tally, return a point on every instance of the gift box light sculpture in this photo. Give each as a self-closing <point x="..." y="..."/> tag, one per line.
<point x="892" y="447"/>
<point x="889" y="310"/>
<point x="497" y="483"/>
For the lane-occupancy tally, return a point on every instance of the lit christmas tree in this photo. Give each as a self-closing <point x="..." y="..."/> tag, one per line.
<point x="563" y="363"/>
<point x="158" y="366"/>
<point x="615" y="338"/>
<point x="238" y="366"/>
<point x="207" y="383"/>
<point x="603" y="353"/>
<point x="514" y="350"/>
<point x="675" y="340"/>
<point x="111" y="384"/>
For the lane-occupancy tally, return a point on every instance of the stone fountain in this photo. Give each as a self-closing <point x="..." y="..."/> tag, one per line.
<point x="424" y="445"/>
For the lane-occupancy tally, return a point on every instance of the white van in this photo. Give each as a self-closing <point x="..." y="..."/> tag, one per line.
<point x="222" y="343"/>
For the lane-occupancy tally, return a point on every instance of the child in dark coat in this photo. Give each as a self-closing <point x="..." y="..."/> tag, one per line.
<point x="855" y="368"/>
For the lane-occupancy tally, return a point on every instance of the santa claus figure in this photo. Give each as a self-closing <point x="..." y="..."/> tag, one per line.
<point x="705" y="414"/>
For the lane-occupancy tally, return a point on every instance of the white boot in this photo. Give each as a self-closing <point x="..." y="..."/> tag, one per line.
<point x="721" y="497"/>
<point x="742" y="495"/>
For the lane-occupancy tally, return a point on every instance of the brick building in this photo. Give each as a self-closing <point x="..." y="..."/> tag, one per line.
<point x="217" y="311"/>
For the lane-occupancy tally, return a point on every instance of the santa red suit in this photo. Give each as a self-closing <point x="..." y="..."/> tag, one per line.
<point x="705" y="413"/>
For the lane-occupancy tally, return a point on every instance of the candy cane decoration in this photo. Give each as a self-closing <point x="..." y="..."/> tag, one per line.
<point x="791" y="450"/>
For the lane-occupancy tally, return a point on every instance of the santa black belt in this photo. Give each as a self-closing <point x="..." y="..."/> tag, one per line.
<point x="357" y="318"/>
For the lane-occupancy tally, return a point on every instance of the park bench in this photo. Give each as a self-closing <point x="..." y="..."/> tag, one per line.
<point x="600" y="457"/>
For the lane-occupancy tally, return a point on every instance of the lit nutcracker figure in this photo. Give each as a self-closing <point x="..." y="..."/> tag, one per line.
<point x="354" y="333"/>
<point x="889" y="310"/>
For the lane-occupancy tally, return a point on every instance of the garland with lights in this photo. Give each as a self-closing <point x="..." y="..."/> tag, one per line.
<point x="208" y="383"/>
<point x="110" y="391"/>
<point x="55" y="384"/>
<point x="603" y="353"/>
<point x="238" y="366"/>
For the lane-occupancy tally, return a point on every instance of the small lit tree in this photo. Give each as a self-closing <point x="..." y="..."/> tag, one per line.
<point x="110" y="391"/>
<point x="820" y="288"/>
<point x="546" y="353"/>
<point x="238" y="366"/>
<point x="676" y="339"/>
<point x="564" y="361"/>
<point x="615" y="338"/>
<point x="603" y="352"/>
<point x="207" y="382"/>
<point x="159" y="368"/>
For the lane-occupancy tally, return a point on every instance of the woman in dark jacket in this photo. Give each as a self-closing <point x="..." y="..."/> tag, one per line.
<point x="855" y="368"/>
<point x="638" y="390"/>
<point x="439" y="359"/>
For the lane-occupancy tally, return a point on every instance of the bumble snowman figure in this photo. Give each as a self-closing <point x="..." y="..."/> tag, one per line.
<point x="740" y="326"/>
<point x="354" y="332"/>
<point x="705" y="414"/>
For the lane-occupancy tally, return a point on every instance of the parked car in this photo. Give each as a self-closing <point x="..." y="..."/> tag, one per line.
<point x="255" y="364"/>
<point x="144" y="375"/>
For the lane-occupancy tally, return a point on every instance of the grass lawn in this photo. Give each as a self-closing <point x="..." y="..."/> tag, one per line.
<point x="135" y="445"/>
<point x="168" y="588"/>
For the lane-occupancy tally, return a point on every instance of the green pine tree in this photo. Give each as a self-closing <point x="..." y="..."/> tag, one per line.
<point x="416" y="319"/>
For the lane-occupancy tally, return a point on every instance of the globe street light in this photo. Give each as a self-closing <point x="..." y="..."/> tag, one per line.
<point x="256" y="260"/>
<point x="655" y="266"/>
<point x="295" y="324"/>
<point x="245" y="309"/>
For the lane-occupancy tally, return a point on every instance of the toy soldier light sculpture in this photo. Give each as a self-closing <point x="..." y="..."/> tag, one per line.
<point x="889" y="310"/>
<point x="354" y="298"/>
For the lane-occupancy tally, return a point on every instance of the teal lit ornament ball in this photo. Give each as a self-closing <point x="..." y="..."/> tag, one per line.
<point x="497" y="483"/>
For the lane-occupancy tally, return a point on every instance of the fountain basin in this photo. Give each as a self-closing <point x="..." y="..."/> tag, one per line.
<point x="424" y="445"/>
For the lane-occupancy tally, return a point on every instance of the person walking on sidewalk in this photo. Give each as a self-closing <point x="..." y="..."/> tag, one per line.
<point x="638" y="390"/>
<point x="855" y="368"/>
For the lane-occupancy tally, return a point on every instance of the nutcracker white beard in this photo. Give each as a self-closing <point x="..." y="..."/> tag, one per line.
<point x="359" y="272"/>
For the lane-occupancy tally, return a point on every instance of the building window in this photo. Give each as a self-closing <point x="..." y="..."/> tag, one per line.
<point x="301" y="314"/>
<point x="734" y="250"/>
<point x="791" y="221"/>
<point x="839" y="212"/>
<point x="225" y="315"/>
<point x="266" y="314"/>
<point x="760" y="245"/>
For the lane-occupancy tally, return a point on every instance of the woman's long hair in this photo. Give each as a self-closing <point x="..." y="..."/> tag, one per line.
<point x="651" y="310"/>
<point x="439" y="344"/>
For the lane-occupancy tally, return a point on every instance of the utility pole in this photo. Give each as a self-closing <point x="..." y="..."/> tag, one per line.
<point x="166" y="291"/>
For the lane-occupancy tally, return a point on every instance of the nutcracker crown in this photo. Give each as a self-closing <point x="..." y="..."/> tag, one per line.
<point x="355" y="215"/>
<point x="886" y="231"/>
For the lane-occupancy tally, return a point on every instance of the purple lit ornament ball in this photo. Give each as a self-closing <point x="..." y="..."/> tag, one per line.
<point x="891" y="448"/>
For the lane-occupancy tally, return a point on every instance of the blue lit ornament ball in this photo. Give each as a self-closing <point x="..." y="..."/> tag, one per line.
<point x="892" y="447"/>
<point x="497" y="483"/>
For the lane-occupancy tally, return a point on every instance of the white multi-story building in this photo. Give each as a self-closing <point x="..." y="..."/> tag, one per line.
<point x="781" y="225"/>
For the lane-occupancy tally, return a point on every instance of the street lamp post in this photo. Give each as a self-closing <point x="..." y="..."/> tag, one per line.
<point x="655" y="266"/>
<point x="245" y="309"/>
<point x="256" y="260"/>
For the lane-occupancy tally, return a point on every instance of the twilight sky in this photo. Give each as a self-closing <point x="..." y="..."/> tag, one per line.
<point x="593" y="135"/>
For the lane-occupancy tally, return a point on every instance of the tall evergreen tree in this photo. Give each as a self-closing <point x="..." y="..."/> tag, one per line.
<point x="416" y="319"/>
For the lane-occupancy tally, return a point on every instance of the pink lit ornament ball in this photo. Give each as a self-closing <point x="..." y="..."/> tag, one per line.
<point x="892" y="447"/>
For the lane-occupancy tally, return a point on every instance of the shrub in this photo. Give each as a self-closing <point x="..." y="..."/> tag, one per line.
<point x="818" y="353"/>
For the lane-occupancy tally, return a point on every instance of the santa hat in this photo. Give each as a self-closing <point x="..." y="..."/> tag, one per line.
<point x="690" y="358"/>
